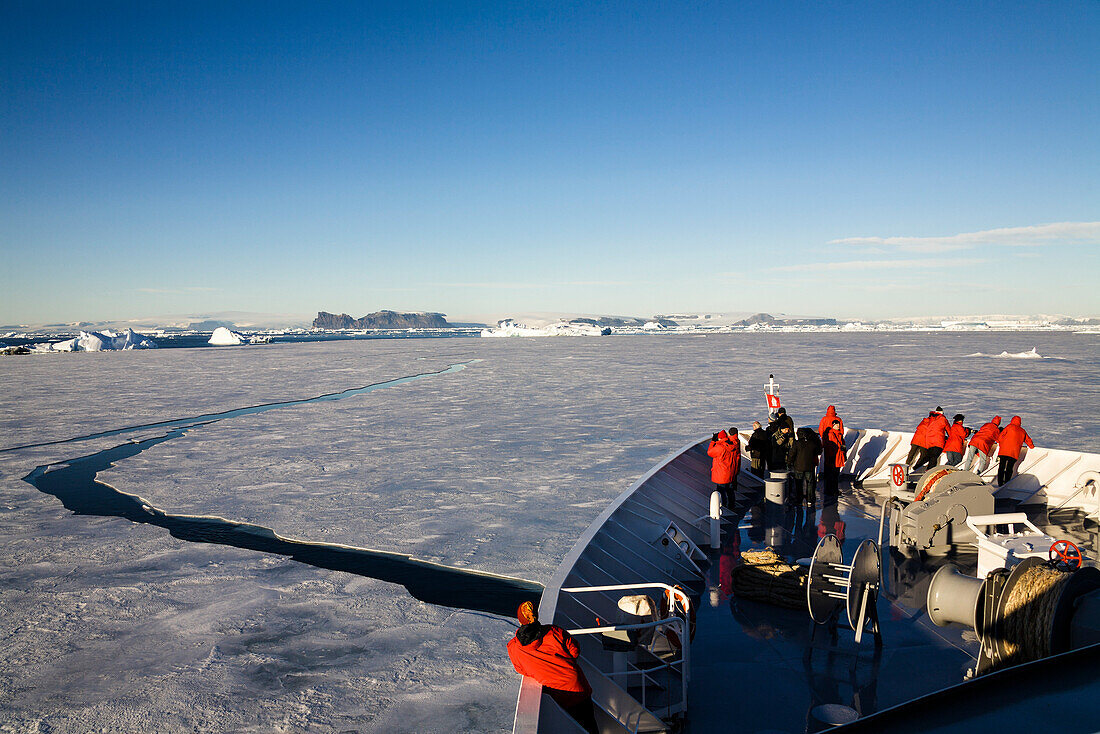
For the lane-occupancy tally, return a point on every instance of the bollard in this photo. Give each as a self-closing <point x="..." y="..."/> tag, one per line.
<point x="775" y="487"/>
<point x="715" y="519"/>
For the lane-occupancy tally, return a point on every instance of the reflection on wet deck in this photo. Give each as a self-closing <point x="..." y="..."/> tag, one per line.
<point x="759" y="667"/>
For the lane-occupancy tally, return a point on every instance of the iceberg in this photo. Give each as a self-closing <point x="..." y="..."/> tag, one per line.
<point x="509" y="327"/>
<point x="223" y="337"/>
<point x="98" y="341"/>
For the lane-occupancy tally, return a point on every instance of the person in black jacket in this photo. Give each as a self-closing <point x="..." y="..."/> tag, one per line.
<point x="780" y="438"/>
<point x="782" y="443"/>
<point x="759" y="447"/>
<point x="803" y="458"/>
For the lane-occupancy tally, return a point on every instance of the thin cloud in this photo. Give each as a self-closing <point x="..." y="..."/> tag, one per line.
<point x="1033" y="236"/>
<point x="862" y="265"/>
<point x="564" y="284"/>
<point x="186" y="289"/>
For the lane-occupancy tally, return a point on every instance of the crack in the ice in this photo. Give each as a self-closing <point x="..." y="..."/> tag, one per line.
<point x="74" y="482"/>
<point x="248" y="410"/>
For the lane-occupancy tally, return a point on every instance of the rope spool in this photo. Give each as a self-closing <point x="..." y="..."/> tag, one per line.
<point x="832" y="584"/>
<point x="767" y="577"/>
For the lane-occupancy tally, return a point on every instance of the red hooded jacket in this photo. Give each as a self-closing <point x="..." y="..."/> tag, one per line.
<point x="725" y="454"/>
<point x="986" y="436"/>
<point x="935" y="433"/>
<point x="550" y="658"/>
<point x="956" y="435"/>
<point x="835" y="438"/>
<point x="827" y="422"/>
<point x="1013" y="437"/>
<point x="918" y="435"/>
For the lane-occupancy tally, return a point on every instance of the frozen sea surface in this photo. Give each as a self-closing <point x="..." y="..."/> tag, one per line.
<point x="498" y="467"/>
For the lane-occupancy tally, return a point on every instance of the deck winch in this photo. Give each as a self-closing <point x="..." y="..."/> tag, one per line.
<point x="936" y="518"/>
<point x="1036" y="609"/>
<point x="831" y="585"/>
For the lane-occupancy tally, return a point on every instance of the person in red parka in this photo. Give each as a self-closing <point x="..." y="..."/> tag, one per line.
<point x="1012" y="438"/>
<point x="725" y="455"/>
<point x="916" y="444"/>
<point x="935" y="436"/>
<point x="956" y="438"/>
<point x="548" y="654"/>
<point x="981" y="445"/>
<point x="827" y="422"/>
<point x="833" y="453"/>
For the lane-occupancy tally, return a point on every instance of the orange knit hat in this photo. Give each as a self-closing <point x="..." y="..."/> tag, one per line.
<point x="526" y="613"/>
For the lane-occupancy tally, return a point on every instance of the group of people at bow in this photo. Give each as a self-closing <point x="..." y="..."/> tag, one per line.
<point x="779" y="447"/>
<point x="934" y="437"/>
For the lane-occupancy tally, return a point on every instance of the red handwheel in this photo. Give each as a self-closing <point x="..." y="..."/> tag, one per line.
<point x="1065" y="555"/>
<point x="899" y="476"/>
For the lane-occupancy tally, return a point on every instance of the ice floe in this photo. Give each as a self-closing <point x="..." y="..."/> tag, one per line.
<point x="1030" y="354"/>
<point x="98" y="341"/>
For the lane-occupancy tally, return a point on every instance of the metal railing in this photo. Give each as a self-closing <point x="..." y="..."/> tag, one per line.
<point x="678" y="623"/>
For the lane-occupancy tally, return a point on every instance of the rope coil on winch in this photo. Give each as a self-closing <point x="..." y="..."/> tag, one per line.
<point x="1029" y="614"/>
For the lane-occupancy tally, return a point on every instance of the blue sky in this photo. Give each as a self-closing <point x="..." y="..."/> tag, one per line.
<point x="848" y="159"/>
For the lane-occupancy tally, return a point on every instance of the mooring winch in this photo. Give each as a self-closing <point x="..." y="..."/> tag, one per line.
<point x="832" y="585"/>
<point x="935" y="520"/>
<point x="1036" y="609"/>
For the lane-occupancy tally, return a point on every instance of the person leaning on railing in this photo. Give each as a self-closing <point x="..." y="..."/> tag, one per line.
<point x="548" y="654"/>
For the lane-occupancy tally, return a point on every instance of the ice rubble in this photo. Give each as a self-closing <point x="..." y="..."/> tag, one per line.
<point x="98" y="341"/>
<point x="508" y="327"/>
<point x="1030" y="354"/>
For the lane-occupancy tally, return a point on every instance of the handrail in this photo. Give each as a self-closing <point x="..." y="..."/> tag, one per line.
<point x="685" y="661"/>
<point x="680" y="594"/>
<point x="678" y="622"/>
<point x="1011" y="519"/>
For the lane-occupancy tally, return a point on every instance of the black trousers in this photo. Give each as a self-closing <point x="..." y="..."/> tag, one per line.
<point x="805" y="487"/>
<point x="1004" y="471"/>
<point x="930" y="457"/>
<point x="726" y="490"/>
<point x="832" y="481"/>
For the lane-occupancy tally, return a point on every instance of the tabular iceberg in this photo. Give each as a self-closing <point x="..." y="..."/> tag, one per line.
<point x="98" y="341"/>
<point x="508" y="327"/>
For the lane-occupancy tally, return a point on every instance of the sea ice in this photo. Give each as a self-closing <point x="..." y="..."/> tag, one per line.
<point x="498" y="467"/>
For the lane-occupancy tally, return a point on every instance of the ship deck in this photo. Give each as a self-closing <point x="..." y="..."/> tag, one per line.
<point x="761" y="667"/>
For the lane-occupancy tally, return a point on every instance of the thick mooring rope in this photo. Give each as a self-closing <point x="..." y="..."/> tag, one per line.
<point x="1029" y="613"/>
<point x="765" y="576"/>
